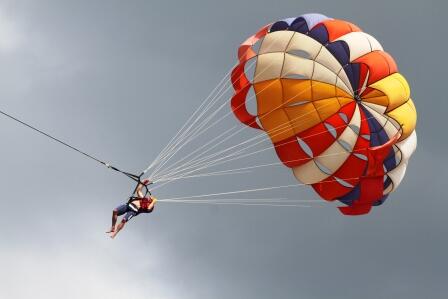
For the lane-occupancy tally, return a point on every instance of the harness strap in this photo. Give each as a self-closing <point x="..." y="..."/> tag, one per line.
<point x="133" y="207"/>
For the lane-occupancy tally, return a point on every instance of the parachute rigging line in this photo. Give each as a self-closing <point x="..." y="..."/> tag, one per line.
<point x="136" y="178"/>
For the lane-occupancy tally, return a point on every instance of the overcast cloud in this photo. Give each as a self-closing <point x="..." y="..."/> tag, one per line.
<point x="118" y="79"/>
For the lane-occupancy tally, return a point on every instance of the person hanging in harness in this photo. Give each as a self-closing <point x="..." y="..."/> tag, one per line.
<point x="141" y="203"/>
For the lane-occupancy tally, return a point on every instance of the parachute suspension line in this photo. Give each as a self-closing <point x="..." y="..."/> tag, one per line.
<point x="242" y="169"/>
<point x="172" y="167"/>
<point x="154" y="173"/>
<point x="235" y="192"/>
<point x="204" y="198"/>
<point x="173" y="142"/>
<point x="196" y="132"/>
<point x="261" y="135"/>
<point x="186" y="175"/>
<point x="186" y="136"/>
<point x="210" y="117"/>
<point x="251" y="200"/>
<point x="128" y="174"/>
<point x="231" y="157"/>
<point x="167" y="147"/>
<point x="200" y="148"/>
<point x="218" y="89"/>
<point x="239" y="204"/>
<point x="203" y="161"/>
<point x="214" y="173"/>
<point x="219" y="120"/>
<point x="176" y="170"/>
<point x="273" y="199"/>
<point x="237" y="170"/>
<point x="215" y="123"/>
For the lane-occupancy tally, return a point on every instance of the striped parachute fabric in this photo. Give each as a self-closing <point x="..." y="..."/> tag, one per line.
<point x="334" y="105"/>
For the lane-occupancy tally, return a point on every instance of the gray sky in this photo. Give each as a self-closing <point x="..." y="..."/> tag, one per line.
<point x="97" y="72"/>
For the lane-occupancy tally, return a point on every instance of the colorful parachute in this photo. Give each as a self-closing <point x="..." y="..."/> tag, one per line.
<point x="333" y="104"/>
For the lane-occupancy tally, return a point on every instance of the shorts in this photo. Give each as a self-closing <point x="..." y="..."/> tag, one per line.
<point x="127" y="210"/>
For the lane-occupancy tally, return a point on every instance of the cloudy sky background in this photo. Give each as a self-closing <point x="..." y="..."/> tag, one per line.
<point x="118" y="78"/>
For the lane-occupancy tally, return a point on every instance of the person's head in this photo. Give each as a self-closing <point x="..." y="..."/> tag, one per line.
<point x="146" y="182"/>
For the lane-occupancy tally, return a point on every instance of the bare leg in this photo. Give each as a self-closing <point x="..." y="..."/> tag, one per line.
<point x="114" y="221"/>
<point x="119" y="227"/>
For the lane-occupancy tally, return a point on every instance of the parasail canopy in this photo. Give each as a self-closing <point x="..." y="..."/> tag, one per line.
<point x="334" y="105"/>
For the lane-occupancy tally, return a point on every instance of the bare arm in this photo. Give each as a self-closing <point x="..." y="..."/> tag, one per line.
<point x="139" y="190"/>
<point x="140" y="186"/>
